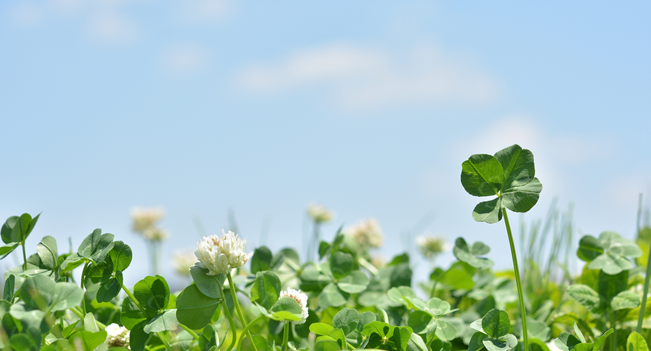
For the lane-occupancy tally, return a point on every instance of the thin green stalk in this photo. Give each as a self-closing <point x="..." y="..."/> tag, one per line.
<point x="368" y="265"/>
<point x="239" y="343"/>
<point x="191" y="332"/>
<point x="286" y="337"/>
<point x="135" y="301"/>
<point x="645" y="292"/>
<point x="227" y="313"/>
<point x="523" y="311"/>
<point x="238" y="308"/>
<point x="24" y="257"/>
<point x="154" y="250"/>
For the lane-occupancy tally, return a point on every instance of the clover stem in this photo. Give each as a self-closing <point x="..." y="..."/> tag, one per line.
<point x="239" y="343"/>
<point x="368" y="265"/>
<point x="645" y="292"/>
<point x="523" y="310"/>
<point x="613" y="324"/>
<point x="227" y="313"/>
<point x="135" y="301"/>
<point x="238" y="309"/>
<point x="286" y="336"/>
<point x="190" y="331"/>
<point x="24" y="257"/>
<point x="154" y="256"/>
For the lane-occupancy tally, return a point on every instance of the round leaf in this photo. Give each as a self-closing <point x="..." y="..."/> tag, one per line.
<point x="488" y="211"/>
<point x="121" y="256"/>
<point x="266" y="289"/>
<point x="496" y="323"/>
<point x="354" y="283"/>
<point x="194" y="309"/>
<point x="522" y="198"/>
<point x="482" y="175"/>
<point x="341" y="264"/>
<point x="518" y="166"/>
<point x="209" y="285"/>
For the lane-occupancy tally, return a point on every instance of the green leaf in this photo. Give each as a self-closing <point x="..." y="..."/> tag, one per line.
<point x="476" y="341"/>
<point x="22" y="342"/>
<point x="194" y="309"/>
<point x="601" y="339"/>
<point x="347" y="320"/>
<point x="584" y="295"/>
<point x="89" y="340"/>
<point x="72" y="261"/>
<point x="153" y="293"/>
<point x="326" y="345"/>
<point x="209" y="285"/>
<point x="482" y="175"/>
<point x="130" y="314"/>
<point x="313" y="280"/>
<point x="8" y="293"/>
<point x="354" y="283"/>
<point x="470" y="255"/>
<point x="7" y="249"/>
<point x="400" y="275"/>
<point x="438" y="307"/>
<point x="400" y="337"/>
<point x="522" y="198"/>
<point x="496" y="323"/>
<point x="403" y="295"/>
<point x="419" y="321"/>
<point x="138" y="338"/>
<point x="589" y="248"/>
<point x="162" y="322"/>
<point x="331" y="296"/>
<point x="518" y="166"/>
<point x="341" y="264"/>
<point x="416" y="343"/>
<point x="47" y="252"/>
<point x="96" y="246"/>
<point x="121" y="256"/>
<point x="611" y="264"/>
<point x="110" y="288"/>
<point x="9" y="232"/>
<point x="624" y="300"/>
<point x="66" y="295"/>
<point x="488" y="211"/>
<point x="266" y="289"/>
<point x="636" y="342"/>
<point x="446" y="331"/>
<point x="286" y="308"/>
<point x="321" y="328"/>
<point x="611" y="285"/>
<point x="261" y="260"/>
<point x="459" y="276"/>
<point x="37" y="292"/>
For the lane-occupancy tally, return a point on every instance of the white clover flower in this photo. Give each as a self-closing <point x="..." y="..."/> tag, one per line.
<point x="318" y="213"/>
<point x="144" y="218"/>
<point x="155" y="234"/>
<point x="221" y="255"/>
<point x="299" y="297"/>
<point x="367" y="233"/>
<point x="183" y="260"/>
<point x="431" y="245"/>
<point x="117" y="336"/>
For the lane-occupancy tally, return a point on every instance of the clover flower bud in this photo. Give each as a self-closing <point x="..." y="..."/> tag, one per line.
<point x="431" y="245"/>
<point x="367" y="233"/>
<point x="221" y="255"/>
<point x="299" y="297"/>
<point x="318" y="213"/>
<point x="117" y="336"/>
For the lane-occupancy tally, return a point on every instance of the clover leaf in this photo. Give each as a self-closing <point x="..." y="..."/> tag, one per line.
<point x="509" y="175"/>
<point x="470" y="254"/>
<point x="609" y="252"/>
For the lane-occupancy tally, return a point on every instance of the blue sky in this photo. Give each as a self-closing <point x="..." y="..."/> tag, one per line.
<point x="367" y="107"/>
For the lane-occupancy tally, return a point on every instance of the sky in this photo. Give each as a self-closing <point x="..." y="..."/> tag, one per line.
<point x="368" y="107"/>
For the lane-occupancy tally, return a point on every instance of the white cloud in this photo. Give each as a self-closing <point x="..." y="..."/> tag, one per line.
<point x="364" y="78"/>
<point x="185" y="60"/>
<point x="112" y="27"/>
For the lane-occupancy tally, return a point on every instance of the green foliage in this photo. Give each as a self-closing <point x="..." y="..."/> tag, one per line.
<point x="609" y="253"/>
<point x="509" y="175"/>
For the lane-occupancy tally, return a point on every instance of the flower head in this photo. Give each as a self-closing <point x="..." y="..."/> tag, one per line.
<point x="367" y="233"/>
<point x="431" y="245"/>
<point x="319" y="213"/>
<point x="299" y="297"/>
<point x="144" y="218"/>
<point x="221" y="255"/>
<point x="183" y="260"/>
<point x="117" y="336"/>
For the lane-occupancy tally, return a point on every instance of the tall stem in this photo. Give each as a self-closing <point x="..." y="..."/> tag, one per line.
<point x="135" y="301"/>
<point x="238" y="309"/>
<point x="227" y="313"/>
<point x="645" y="292"/>
<point x="286" y="337"/>
<point x="239" y="343"/>
<point x="154" y="254"/>
<point x="24" y="257"/>
<point x="523" y="310"/>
